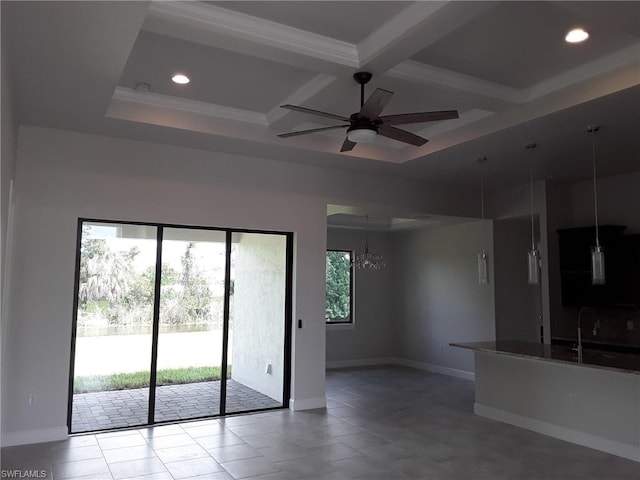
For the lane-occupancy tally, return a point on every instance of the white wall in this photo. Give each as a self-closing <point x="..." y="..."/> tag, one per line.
<point x="595" y="407"/>
<point x="62" y="175"/>
<point x="371" y="337"/>
<point x="259" y="310"/>
<point x="438" y="297"/>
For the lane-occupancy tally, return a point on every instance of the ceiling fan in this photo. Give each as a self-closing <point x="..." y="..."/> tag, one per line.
<point x="365" y="125"/>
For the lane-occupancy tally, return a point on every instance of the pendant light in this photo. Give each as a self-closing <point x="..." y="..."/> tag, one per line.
<point x="597" y="255"/>
<point x="483" y="271"/>
<point x="533" y="256"/>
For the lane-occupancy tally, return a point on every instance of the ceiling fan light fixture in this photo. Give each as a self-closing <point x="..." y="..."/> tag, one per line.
<point x="362" y="135"/>
<point x="576" y="35"/>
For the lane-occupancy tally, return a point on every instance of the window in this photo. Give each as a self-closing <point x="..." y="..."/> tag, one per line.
<point x="339" y="308"/>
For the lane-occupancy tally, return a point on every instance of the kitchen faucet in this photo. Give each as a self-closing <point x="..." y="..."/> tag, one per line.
<point x="595" y="329"/>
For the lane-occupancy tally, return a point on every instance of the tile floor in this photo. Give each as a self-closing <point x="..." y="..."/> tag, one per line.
<point x="126" y="408"/>
<point x="382" y="423"/>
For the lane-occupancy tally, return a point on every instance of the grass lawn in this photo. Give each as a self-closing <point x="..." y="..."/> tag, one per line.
<point x="124" y="381"/>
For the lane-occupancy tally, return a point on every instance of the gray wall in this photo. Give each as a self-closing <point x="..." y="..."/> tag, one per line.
<point x="438" y="298"/>
<point x="618" y="202"/>
<point x="518" y="304"/>
<point x="7" y="172"/>
<point x="514" y="203"/>
<point x="371" y="337"/>
<point x="62" y="175"/>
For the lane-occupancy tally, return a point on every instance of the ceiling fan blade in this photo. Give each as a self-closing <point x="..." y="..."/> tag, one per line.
<point x="314" y="112"/>
<point x="419" y="117"/>
<point x="347" y="145"/>
<point x="375" y="104"/>
<point x="401" y="135"/>
<point x="312" y="130"/>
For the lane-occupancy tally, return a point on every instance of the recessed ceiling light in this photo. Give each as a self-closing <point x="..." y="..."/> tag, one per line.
<point x="576" y="35"/>
<point x="180" y="79"/>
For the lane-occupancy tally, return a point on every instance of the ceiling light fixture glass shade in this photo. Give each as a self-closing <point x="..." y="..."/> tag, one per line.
<point x="362" y="135"/>
<point x="367" y="259"/>
<point x="597" y="255"/>
<point x="483" y="268"/>
<point x="576" y="35"/>
<point x="533" y="256"/>
<point x="180" y="79"/>
<point x="533" y="266"/>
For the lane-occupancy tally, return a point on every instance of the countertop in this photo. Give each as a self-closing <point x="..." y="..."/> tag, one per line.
<point x="621" y="362"/>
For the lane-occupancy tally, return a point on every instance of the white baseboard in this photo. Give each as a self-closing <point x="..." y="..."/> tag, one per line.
<point x="25" y="437"/>
<point x="631" y="452"/>
<point x="429" y="367"/>
<point x="307" y="403"/>
<point x="362" y="362"/>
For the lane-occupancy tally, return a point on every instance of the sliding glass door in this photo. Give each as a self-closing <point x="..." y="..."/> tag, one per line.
<point x="175" y="323"/>
<point x="191" y="320"/>
<point x="113" y="327"/>
<point x="256" y="332"/>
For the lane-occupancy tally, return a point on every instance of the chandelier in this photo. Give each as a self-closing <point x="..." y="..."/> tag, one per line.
<point x="367" y="259"/>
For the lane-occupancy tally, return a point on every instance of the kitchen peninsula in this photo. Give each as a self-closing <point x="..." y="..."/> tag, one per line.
<point x="545" y="389"/>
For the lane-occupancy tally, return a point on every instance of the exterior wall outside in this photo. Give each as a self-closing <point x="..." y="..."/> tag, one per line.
<point x="437" y="297"/>
<point x="259" y="308"/>
<point x="61" y="176"/>
<point x="371" y="335"/>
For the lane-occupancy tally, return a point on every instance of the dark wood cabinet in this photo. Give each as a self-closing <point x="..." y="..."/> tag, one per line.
<point x="622" y="267"/>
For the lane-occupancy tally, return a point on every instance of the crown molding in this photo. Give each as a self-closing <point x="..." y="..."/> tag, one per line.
<point x="603" y="65"/>
<point x="427" y="74"/>
<point x="191" y="106"/>
<point x="466" y="118"/>
<point x="256" y="30"/>
<point x="396" y="28"/>
<point x="309" y="90"/>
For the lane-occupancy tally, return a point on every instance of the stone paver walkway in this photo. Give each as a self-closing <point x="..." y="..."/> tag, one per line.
<point x="127" y="408"/>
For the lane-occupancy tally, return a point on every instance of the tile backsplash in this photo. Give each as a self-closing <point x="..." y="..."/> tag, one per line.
<point x="619" y="326"/>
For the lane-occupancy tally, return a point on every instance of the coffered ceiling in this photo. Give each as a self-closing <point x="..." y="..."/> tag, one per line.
<point x="106" y="67"/>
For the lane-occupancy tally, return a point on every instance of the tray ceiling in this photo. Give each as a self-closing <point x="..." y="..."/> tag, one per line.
<point x="503" y="65"/>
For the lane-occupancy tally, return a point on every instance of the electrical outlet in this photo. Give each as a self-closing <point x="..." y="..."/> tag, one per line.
<point x="268" y="369"/>
<point x="32" y="399"/>
<point x="629" y="324"/>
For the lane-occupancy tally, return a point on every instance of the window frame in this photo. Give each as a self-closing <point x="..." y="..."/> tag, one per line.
<point x="351" y="319"/>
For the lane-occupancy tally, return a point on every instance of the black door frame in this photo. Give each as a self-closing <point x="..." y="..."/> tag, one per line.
<point x="288" y="309"/>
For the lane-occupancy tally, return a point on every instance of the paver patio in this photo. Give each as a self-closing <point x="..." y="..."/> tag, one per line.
<point x="126" y="408"/>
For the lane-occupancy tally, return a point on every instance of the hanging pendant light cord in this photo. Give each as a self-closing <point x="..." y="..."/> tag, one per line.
<point x="366" y="235"/>
<point x="530" y="147"/>
<point x="482" y="192"/>
<point x="533" y="241"/>
<point x="595" y="189"/>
